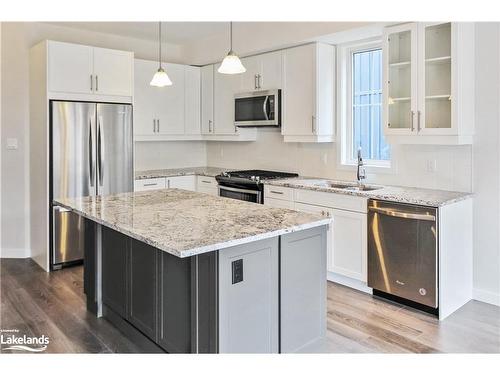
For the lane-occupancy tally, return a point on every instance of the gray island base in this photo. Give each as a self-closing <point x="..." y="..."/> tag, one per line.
<point x="258" y="292"/>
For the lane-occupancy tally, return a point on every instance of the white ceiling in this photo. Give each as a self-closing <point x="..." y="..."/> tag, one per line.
<point x="174" y="32"/>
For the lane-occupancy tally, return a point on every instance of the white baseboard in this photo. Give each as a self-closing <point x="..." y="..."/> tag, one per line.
<point x="15" y="253"/>
<point x="347" y="281"/>
<point x="486" y="296"/>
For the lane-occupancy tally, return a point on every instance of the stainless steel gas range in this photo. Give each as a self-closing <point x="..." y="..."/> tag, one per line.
<point x="247" y="185"/>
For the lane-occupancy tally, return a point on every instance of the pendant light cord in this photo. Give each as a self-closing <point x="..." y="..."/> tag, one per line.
<point x="159" y="44"/>
<point x="231" y="35"/>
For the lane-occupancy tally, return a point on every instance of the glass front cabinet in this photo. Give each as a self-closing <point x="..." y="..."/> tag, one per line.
<point x="429" y="83"/>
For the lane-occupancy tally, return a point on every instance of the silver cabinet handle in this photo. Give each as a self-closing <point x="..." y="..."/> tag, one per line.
<point x="206" y="182"/>
<point x="91" y="83"/>
<point x="276" y="192"/>
<point x="154" y="125"/>
<point x="412" y="115"/>
<point x="168" y="184"/>
<point x="402" y="215"/>
<point x="150" y="184"/>
<point x="157" y="125"/>
<point x="418" y="121"/>
<point x="258" y="80"/>
<point x="209" y="126"/>
<point x="96" y="82"/>
<point x="255" y="83"/>
<point x="313" y="124"/>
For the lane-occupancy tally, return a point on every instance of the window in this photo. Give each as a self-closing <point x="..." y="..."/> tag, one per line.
<point x="362" y="106"/>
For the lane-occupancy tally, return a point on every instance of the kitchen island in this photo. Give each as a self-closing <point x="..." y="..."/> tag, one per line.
<point x="186" y="272"/>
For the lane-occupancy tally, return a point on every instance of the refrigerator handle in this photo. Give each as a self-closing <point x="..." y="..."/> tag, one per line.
<point x="100" y="150"/>
<point x="91" y="156"/>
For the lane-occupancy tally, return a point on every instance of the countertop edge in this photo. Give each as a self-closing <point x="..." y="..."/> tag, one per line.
<point x="202" y="249"/>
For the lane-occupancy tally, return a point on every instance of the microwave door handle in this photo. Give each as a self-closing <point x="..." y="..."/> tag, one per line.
<point x="264" y="107"/>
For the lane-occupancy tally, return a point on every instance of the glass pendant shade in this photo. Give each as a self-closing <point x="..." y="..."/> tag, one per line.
<point x="160" y="79"/>
<point x="231" y="65"/>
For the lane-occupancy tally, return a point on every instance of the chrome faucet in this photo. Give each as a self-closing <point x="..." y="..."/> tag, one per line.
<point x="360" y="171"/>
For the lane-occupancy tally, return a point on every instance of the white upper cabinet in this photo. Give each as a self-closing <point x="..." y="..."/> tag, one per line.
<point x="113" y="71"/>
<point x="309" y="93"/>
<point x="144" y="105"/>
<point x="70" y="68"/>
<point x="192" y="102"/>
<point x="207" y="99"/>
<point x="79" y="69"/>
<point x="264" y="72"/>
<point x="429" y="83"/>
<point x="225" y="86"/>
<point x="169" y="101"/>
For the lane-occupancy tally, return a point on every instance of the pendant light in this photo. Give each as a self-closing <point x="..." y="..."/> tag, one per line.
<point x="160" y="79"/>
<point x="231" y="63"/>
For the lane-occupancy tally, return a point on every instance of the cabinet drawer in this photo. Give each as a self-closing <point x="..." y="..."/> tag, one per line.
<point x="278" y="203"/>
<point x="339" y="201"/>
<point x="149" y="184"/>
<point x="207" y="181"/>
<point x="278" y="192"/>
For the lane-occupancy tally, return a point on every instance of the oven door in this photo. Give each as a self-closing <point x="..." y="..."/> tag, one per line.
<point x="247" y="195"/>
<point x="259" y="108"/>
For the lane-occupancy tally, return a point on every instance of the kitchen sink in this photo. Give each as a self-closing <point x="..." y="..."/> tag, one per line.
<point x="346" y="186"/>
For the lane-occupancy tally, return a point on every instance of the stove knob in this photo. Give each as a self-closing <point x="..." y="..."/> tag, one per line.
<point x="225" y="174"/>
<point x="422" y="291"/>
<point x="253" y="178"/>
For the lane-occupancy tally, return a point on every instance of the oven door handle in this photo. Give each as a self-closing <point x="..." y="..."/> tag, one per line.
<point x="264" y="107"/>
<point x="254" y="192"/>
<point x="402" y="215"/>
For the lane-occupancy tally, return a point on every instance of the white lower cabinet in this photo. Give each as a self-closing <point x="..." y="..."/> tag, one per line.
<point x="176" y="182"/>
<point x="207" y="185"/>
<point x="347" y="235"/>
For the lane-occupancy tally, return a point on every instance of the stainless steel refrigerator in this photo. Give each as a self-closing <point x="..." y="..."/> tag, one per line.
<point x="92" y="154"/>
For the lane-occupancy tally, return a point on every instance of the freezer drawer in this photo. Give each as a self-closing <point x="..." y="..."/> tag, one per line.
<point x="403" y="251"/>
<point x="68" y="236"/>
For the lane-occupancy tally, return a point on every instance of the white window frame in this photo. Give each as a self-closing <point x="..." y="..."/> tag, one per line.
<point x="345" y="158"/>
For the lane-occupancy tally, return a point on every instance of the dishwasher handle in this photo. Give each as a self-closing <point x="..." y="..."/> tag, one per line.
<point x="402" y="214"/>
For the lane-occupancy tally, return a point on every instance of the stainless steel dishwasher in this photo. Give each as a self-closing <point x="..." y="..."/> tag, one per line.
<point x="403" y="253"/>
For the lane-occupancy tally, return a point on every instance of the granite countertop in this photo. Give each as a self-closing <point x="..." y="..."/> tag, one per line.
<point x="172" y="172"/>
<point x="401" y="194"/>
<point x="185" y="223"/>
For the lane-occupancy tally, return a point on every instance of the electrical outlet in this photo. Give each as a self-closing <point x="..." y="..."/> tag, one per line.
<point x="11" y="143"/>
<point x="431" y="166"/>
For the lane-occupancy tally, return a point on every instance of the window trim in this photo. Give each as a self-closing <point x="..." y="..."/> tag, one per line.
<point x="344" y="105"/>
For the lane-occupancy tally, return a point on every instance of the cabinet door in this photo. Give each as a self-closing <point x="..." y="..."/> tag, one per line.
<point x="434" y="115"/>
<point x="169" y="102"/>
<point x="279" y="203"/>
<point x="271" y="74"/>
<point x="144" y="97"/>
<point x="182" y="182"/>
<point x="192" y="105"/>
<point x="115" y="252"/>
<point x="225" y="86"/>
<point x="143" y="271"/>
<point x="114" y="72"/>
<point x="349" y="244"/>
<point x="400" y="54"/>
<point x="298" y="92"/>
<point x="249" y="79"/>
<point x="70" y="68"/>
<point x="150" y="184"/>
<point x="175" y="304"/>
<point x="207" y="99"/>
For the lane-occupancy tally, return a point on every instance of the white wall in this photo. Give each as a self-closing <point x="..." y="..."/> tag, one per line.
<point x="454" y="163"/>
<point x="17" y="38"/>
<point x="486" y="183"/>
<point x="159" y="155"/>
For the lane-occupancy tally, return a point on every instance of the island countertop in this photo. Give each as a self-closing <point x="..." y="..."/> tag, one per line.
<point x="185" y="223"/>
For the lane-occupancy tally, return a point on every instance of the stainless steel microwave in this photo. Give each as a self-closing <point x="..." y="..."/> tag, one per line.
<point x="258" y="108"/>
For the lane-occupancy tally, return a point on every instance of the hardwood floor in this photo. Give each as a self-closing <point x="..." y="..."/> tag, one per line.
<point x="36" y="303"/>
